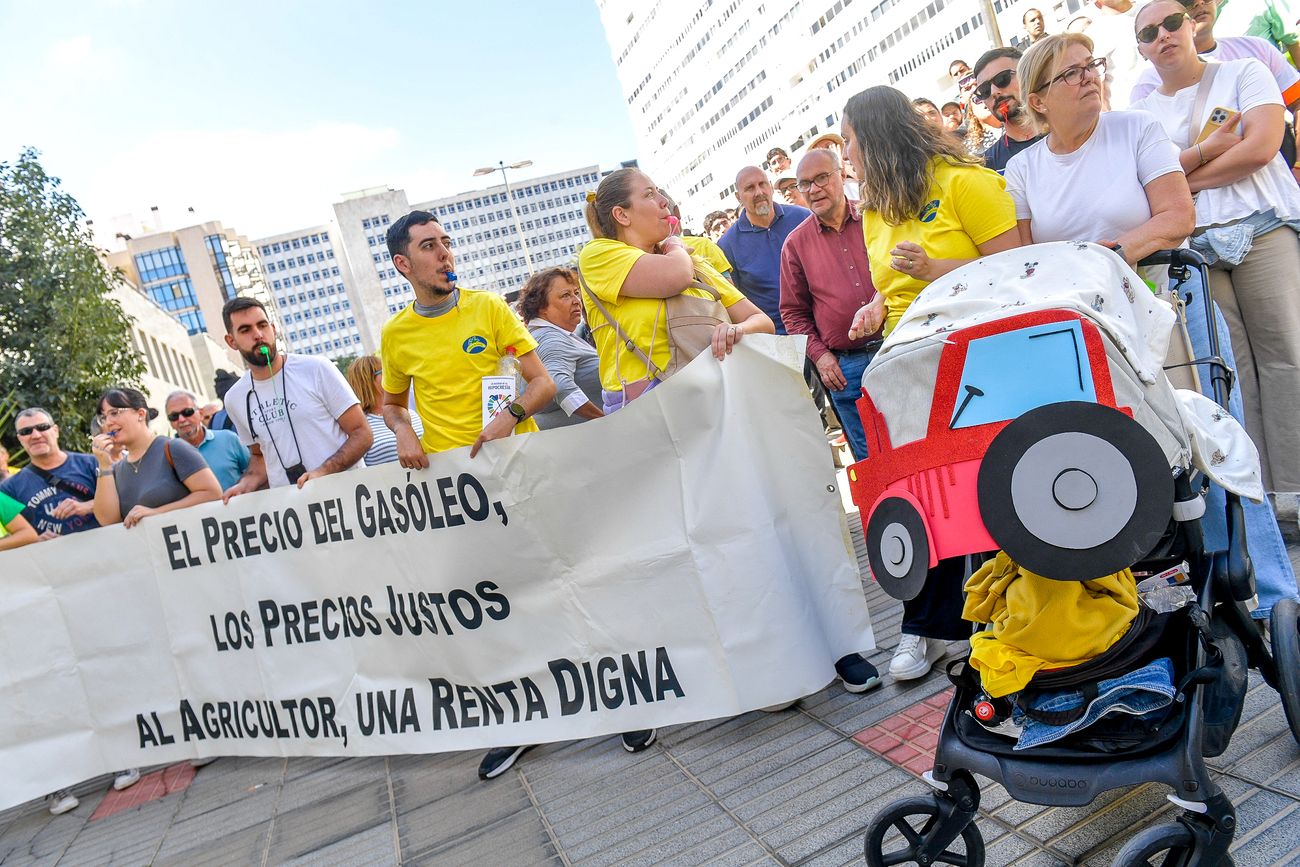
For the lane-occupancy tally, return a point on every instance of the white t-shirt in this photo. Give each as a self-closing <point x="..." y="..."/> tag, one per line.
<point x="315" y="394"/>
<point x="1112" y="38"/>
<point x="1236" y="48"/>
<point x="1239" y="85"/>
<point x="1097" y="192"/>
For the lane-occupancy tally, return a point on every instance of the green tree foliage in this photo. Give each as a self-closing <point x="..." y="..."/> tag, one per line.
<point x="63" y="339"/>
<point x="343" y="362"/>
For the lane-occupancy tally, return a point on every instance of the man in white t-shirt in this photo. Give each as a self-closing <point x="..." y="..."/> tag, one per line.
<point x="1111" y="32"/>
<point x="297" y="415"/>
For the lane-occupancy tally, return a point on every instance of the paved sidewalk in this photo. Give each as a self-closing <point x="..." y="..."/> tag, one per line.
<point x="791" y="788"/>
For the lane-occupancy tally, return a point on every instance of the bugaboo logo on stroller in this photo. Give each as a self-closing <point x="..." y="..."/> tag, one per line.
<point x="1052" y="433"/>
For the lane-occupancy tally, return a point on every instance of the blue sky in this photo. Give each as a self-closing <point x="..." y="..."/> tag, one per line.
<point x="261" y="113"/>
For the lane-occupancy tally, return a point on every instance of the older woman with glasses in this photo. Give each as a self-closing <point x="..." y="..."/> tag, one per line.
<point x="1112" y="178"/>
<point x="551" y="306"/>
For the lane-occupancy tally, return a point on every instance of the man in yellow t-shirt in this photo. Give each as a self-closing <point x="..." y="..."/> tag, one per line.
<point x="443" y="344"/>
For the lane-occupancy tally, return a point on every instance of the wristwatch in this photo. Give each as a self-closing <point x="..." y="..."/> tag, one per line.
<point x="517" y="410"/>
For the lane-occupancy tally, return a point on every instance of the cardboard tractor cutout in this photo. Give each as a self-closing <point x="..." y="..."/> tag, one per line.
<point x="1025" y="450"/>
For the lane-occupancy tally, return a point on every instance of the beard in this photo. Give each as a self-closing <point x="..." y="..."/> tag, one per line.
<point x="763" y="208"/>
<point x="257" y="359"/>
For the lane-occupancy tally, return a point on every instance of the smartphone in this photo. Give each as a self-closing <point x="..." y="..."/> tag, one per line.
<point x="1218" y="117"/>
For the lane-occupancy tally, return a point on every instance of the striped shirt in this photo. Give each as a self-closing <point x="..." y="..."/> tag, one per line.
<point x="384" y="448"/>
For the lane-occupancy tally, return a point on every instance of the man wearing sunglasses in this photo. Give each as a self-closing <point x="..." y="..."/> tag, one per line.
<point x="1111" y="32"/>
<point x="222" y="449"/>
<point x="998" y="90"/>
<point x="56" y="488"/>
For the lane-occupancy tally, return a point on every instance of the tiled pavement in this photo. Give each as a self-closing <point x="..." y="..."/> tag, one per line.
<point x="793" y="788"/>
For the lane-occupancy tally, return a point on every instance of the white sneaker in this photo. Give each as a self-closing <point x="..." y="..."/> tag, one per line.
<point x="914" y="657"/>
<point x="62" y="802"/>
<point x="126" y="779"/>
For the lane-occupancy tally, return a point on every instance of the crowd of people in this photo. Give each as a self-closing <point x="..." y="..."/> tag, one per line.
<point x="1170" y="135"/>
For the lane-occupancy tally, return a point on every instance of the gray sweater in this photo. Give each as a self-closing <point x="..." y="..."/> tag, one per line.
<point x="574" y="366"/>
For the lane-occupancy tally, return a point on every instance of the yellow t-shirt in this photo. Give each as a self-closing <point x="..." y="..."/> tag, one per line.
<point x="705" y="249"/>
<point x="605" y="264"/>
<point x="446" y="358"/>
<point x="967" y="206"/>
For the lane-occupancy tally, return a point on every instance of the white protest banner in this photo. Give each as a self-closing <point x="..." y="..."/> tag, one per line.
<point x="681" y="560"/>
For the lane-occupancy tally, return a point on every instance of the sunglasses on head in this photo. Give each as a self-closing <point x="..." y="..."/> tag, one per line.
<point x="42" y="427"/>
<point x="1002" y="80"/>
<point x="187" y="412"/>
<point x="1171" y="24"/>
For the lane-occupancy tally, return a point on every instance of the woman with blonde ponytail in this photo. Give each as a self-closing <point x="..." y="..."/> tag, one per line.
<point x="636" y="260"/>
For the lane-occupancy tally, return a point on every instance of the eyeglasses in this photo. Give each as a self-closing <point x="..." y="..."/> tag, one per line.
<point x="1171" y="24"/>
<point x="112" y="413"/>
<point x="187" y="412"/>
<point x="820" y="180"/>
<point x="42" y="427"/>
<point x="1074" y="75"/>
<point x="1002" y="81"/>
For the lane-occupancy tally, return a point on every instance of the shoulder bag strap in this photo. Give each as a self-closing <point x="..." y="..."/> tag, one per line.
<point x="1198" y="104"/>
<point x="62" y="484"/>
<point x="618" y="329"/>
<point x="167" y="450"/>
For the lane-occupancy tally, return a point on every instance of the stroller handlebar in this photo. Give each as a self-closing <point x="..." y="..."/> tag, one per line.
<point x="1181" y="261"/>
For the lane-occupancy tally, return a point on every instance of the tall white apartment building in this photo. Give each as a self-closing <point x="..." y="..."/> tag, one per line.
<point x="489" y="252"/>
<point x="308" y="278"/>
<point x="713" y="85"/>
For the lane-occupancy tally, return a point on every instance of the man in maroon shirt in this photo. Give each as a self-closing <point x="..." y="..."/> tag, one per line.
<point x="825" y="278"/>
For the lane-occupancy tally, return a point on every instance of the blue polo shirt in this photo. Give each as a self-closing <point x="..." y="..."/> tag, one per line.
<point x="225" y="454"/>
<point x="755" y="255"/>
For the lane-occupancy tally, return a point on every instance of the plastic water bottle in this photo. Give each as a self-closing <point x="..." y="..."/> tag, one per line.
<point x="509" y="366"/>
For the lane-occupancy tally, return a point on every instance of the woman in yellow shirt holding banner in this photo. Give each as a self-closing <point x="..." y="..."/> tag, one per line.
<point x="634" y="263"/>
<point x="928" y="207"/>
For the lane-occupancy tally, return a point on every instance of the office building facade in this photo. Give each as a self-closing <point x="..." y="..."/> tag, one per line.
<point x="489" y="252"/>
<point x="309" y="279"/>
<point x="711" y="86"/>
<point x="192" y="272"/>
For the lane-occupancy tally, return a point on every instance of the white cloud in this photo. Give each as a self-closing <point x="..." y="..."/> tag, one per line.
<point x="69" y="54"/>
<point x="259" y="183"/>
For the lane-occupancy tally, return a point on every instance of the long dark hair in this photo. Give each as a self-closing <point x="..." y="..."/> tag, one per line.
<point x="895" y="150"/>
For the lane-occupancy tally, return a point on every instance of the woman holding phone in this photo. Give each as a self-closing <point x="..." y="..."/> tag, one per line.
<point x="1228" y="120"/>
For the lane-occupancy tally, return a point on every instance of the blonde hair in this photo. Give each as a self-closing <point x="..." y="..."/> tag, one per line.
<point x="1034" y="70"/>
<point x="361" y="376"/>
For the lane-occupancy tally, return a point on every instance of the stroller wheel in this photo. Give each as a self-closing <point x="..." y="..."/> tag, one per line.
<point x="902" y="828"/>
<point x="1075" y="490"/>
<point x="1285" y="625"/>
<point x="898" y="548"/>
<point x="1169" y="845"/>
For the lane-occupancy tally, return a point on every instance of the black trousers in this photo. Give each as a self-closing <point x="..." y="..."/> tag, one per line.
<point x="936" y="610"/>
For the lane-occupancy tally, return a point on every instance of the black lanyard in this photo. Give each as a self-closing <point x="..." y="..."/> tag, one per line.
<point x="252" y="395"/>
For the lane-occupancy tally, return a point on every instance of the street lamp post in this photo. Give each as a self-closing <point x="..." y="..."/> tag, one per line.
<point x="519" y="229"/>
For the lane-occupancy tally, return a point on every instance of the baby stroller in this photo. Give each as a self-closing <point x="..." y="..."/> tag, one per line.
<point x="1054" y="435"/>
